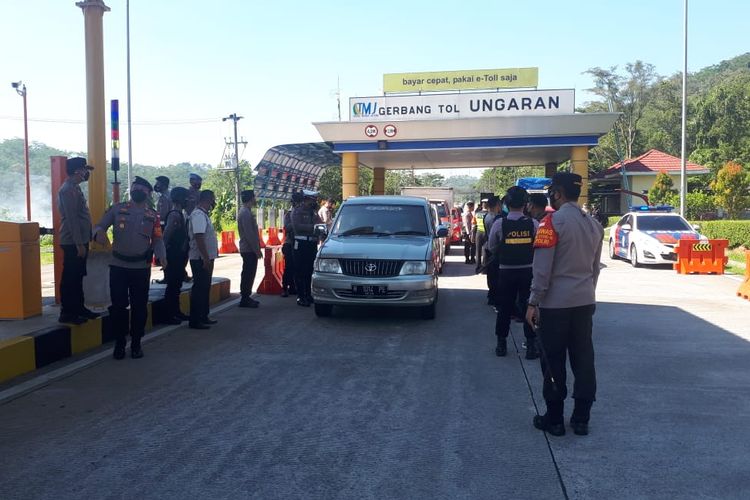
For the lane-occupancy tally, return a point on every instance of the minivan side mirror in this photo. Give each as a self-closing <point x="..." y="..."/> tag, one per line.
<point x="442" y="231"/>
<point x="320" y="230"/>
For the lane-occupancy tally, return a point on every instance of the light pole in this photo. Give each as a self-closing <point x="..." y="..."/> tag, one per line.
<point x="21" y="89"/>
<point x="683" y="145"/>
<point x="235" y="119"/>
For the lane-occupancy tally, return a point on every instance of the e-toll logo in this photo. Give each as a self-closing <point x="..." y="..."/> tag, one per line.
<point x="371" y="131"/>
<point x="364" y="109"/>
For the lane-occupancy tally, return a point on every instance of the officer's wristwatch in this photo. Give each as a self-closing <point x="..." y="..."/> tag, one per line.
<point x="532" y="305"/>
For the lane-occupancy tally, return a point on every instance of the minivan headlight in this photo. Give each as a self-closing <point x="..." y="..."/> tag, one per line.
<point x="416" y="267"/>
<point x="327" y="266"/>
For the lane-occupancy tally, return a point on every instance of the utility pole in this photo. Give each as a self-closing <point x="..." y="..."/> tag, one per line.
<point x="21" y="90"/>
<point x="235" y="119"/>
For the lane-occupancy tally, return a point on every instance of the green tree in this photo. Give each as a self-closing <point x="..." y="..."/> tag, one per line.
<point x="329" y="184"/>
<point x="222" y="183"/>
<point x="732" y="189"/>
<point x="498" y="179"/>
<point x="662" y="191"/>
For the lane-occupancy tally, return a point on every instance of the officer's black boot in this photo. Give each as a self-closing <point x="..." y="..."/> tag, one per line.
<point x="552" y="422"/>
<point x="532" y="351"/>
<point x="135" y="348"/>
<point x="502" y="347"/>
<point x="579" y="421"/>
<point x="119" y="352"/>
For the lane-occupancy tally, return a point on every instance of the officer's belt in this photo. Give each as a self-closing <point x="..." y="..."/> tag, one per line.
<point x="133" y="258"/>
<point x="306" y="238"/>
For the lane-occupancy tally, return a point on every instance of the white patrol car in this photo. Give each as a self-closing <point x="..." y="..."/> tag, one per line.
<point x="649" y="235"/>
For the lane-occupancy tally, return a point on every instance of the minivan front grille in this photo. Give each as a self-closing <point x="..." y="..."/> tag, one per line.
<point x="368" y="267"/>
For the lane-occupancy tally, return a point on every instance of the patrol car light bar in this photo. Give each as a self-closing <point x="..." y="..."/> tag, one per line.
<point x="652" y="208"/>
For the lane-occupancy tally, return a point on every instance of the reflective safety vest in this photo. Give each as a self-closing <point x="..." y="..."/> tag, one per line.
<point x="479" y="216"/>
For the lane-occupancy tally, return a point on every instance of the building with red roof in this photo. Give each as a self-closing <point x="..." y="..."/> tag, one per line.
<point x="639" y="176"/>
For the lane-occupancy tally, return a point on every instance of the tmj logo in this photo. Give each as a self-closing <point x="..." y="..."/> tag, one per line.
<point x="365" y="108"/>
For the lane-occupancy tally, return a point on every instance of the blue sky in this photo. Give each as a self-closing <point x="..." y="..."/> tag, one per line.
<point x="277" y="63"/>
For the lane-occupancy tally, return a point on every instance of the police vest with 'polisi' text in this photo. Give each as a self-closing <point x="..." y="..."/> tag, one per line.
<point x="517" y="246"/>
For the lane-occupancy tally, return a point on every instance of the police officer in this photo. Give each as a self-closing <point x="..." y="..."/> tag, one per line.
<point x="249" y="248"/>
<point x="163" y="202"/>
<point x="75" y="234"/>
<point x="489" y="260"/>
<point x="481" y="236"/>
<point x="287" y="281"/>
<point x="304" y="217"/>
<point x="196" y="181"/>
<point x="176" y="242"/>
<point x="512" y="241"/>
<point x="536" y="208"/>
<point x="568" y="247"/>
<point x="467" y="218"/>
<point x="204" y="249"/>
<point x="136" y="237"/>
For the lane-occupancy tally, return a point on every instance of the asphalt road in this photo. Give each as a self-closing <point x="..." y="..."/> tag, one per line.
<point x="377" y="403"/>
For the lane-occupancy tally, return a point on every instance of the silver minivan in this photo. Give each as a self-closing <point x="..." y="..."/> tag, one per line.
<point x="381" y="250"/>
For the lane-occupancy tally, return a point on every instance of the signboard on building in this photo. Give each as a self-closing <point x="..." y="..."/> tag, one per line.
<point x="454" y="106"/>
<point x="477" y="79"/>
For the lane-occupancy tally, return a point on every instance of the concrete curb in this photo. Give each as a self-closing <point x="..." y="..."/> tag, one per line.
<point x="29" y="352"/>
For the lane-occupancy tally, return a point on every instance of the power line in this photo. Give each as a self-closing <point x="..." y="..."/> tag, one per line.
<point x="187" y="121"/>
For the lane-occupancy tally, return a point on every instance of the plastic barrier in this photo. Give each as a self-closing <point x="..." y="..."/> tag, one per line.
<point x="278" y="265"/>
<point x="227" y="242"/>
<point x="271" y="284"/>
<point x="744" y="289"/>
<point x="273" y="236"/>
<point x="260" y="238"/>
<point x="701" y="256"/>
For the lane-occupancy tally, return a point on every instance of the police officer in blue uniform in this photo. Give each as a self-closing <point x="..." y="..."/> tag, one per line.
<point x="512" y="242"/>
<point x="303" y="219"/>
<point x="136" y="237"/>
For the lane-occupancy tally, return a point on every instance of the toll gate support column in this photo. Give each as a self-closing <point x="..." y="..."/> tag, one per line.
<point x="579" y="161"/>
<point x="349" y="174"/>
<point x="378" y="180"/>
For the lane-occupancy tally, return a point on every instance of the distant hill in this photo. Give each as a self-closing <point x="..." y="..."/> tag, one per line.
<point x="708" y="77"/>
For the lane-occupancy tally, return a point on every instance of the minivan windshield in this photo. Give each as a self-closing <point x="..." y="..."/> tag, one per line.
<point x="381" y="220"/>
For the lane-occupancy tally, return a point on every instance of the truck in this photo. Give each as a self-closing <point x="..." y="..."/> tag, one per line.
<point x="442" y="199"/>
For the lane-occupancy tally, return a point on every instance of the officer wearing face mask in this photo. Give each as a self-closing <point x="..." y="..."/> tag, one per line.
<point x="303" y="219"/>
<point x="136" y="238"/>
<point x="196" y="181"/>
<point x="75" y="234"/>
<point x="163" y="202"/>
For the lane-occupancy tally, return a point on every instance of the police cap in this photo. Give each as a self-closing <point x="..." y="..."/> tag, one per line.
<point x="163" y="179"/>
<point x="516" y="197"/>
<point x="247" y="195"/>
<point x="569" y="183"/>
<point x="297" y="197"/>
<point x="72" y="165"/>
<point x="307" y="193"/>
<point x="178" y="194"/>
<point x="196" y="177"/>
<point x="143" y="182"/>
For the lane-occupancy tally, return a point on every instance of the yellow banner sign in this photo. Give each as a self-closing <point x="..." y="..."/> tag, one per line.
<point x="508" y="78"/>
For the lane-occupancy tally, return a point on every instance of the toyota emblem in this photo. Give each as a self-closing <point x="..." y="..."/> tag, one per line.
<point x="370" y="268"/>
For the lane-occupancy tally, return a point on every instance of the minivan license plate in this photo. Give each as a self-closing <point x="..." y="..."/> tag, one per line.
<point x="370" y="290"/>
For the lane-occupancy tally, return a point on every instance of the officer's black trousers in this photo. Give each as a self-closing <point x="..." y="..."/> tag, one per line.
<point x="492" y="280"/>
<point x="469" y="249"/>
<point x="513" y="283"/>
<point x="304" y="259"/>
<point x="71" y="283"/>
<point x="128" y="287"/>
<point x="287" y="279"/>
<point x="200" y="292"/>
<point x="562" y="332"/>
<point x="174" y="275"/>
<point x="247" y="277"/>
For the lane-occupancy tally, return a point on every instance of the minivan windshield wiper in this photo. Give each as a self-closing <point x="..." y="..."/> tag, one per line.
<point x="362" y="230"/>
<point x="412" y="232"/>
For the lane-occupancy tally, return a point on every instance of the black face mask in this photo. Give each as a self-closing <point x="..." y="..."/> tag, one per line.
<point x="158" y="188"/>
<point x="85" y="176"/>
<point x="138" y="196"/>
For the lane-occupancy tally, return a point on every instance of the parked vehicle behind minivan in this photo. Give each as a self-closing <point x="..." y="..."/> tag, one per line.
<point x="382" y="250"/>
